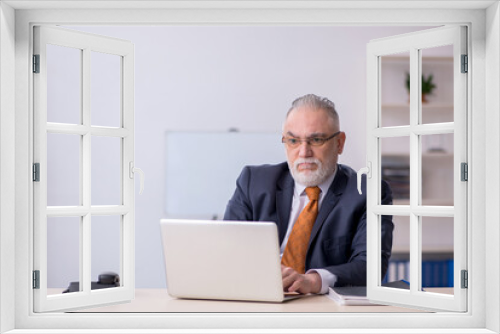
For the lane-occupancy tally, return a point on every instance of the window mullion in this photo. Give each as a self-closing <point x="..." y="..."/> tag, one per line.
<point x="102" y="210"/>
<point x="415" y="168"/>
<point x="86" y="182"/>
<point x="433" y="129"/>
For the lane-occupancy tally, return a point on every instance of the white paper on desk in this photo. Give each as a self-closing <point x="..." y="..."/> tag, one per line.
<point x="349" y="296"/>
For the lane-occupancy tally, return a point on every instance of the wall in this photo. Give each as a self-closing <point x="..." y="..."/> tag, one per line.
<point x="491" y="165"/>
<point x="214" y="78"/>
<point x="7" y="154"/>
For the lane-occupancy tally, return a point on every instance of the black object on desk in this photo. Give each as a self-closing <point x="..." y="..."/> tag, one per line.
<point x="105" y="280"/>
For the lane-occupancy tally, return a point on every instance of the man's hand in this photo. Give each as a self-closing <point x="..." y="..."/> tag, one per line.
<point x="302" y="283"/>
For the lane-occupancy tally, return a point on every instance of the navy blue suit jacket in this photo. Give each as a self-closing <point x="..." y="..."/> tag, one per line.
<point x="338" y="238"/>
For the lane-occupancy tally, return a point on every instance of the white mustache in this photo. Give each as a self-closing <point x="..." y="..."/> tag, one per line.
<point x="299" y="161"/>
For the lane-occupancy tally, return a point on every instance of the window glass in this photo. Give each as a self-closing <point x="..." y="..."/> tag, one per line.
<point x="395" y="167"/>
<point x="105" y="89"/>
<point x="437" y="253"/>
<point x="395" y="106"/>
<point x="63" y="169"/>
<point x="64" y="77"/>
<point x="437" y="84"/>
<point x="106" y="170"/>
<point x="106" y="245"/>
<point x="437" y="169"/>
<point x="399" y="263"/>
<point x="63" y="254"/>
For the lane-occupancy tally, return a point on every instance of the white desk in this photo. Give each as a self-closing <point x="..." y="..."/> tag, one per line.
<point x="159" y="301"/>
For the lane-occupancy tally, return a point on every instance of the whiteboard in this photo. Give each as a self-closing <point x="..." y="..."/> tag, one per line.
<point x="201" y="168"/>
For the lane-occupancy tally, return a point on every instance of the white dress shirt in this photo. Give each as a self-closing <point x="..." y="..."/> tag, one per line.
<point x="300" y="200"/>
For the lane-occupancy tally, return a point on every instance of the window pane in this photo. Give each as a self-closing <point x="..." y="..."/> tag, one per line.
<point x="437" y="169"/>
<point x="106" y="246"/>
<point x="106" y="171"/>
<point x="63" y="169"/>
<point x="64" y="84"/>
<point x="437" y="253"/>
<point x="395" y="107"/>
<point x="63" y="253"/>
<point x="399" y="264"/>
<point x="437" y="84"/>
<point x="105" y="89"/>
<point x="396" y="167"/>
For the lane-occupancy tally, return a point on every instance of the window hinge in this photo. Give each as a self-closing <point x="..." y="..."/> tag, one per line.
<point x="464" y="171"/>
<point x="36" y="172"/>
<point x="36" y="63"/>
<point x="36" y="279"/>
<point x="465" y="64"/>
<point x="465" y="279"/>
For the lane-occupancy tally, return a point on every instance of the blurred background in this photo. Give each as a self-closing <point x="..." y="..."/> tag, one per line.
<point x="210" y="99"/>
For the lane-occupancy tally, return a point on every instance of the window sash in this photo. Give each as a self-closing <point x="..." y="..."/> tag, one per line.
<point x="86" y="43"/>
<point x="414" y="297"/>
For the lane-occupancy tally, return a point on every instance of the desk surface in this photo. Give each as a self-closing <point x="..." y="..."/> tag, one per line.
<point x="159" y="301"/>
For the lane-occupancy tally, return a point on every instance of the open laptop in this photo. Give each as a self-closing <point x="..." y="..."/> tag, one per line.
<point x="229" y="260"/>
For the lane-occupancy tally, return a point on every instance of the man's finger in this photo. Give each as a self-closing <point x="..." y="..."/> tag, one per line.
<point x="288" y="280"/>
<point x="288" y="276"/>
<point x="303" y="285"/>
<point x="287" y="271"/>
<point x="295" y="287"/>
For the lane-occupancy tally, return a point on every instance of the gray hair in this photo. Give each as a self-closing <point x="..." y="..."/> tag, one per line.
<point x="316" y="102"/>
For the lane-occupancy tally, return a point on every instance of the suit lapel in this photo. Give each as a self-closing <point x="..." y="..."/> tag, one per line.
<point x="284" y="197"/>
<point x="332" y="197"/>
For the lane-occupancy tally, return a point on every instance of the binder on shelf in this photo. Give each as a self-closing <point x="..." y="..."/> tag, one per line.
<point x="435" y="273"/>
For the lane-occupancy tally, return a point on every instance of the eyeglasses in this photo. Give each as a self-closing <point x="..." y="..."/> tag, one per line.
<point x="294" y="142"/>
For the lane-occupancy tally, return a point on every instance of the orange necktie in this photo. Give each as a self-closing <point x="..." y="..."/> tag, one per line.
<point x="294" y="255"/>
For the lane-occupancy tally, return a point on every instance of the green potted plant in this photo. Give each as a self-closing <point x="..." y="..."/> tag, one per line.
<point x="428" y="85"/>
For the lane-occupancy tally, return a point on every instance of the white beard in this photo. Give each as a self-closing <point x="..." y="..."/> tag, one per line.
<point x="311" y="178"/>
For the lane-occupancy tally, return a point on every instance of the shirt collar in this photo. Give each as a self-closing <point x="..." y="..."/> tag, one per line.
<point x="324" y="186"/>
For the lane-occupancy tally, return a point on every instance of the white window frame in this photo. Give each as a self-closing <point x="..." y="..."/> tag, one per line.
<point x="415" y="42"/>
<point x="484" y="121"/>
<point x="86" y="43"/>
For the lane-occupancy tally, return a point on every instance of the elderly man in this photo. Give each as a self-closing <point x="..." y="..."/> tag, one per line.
<point x="320" y="215"/>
